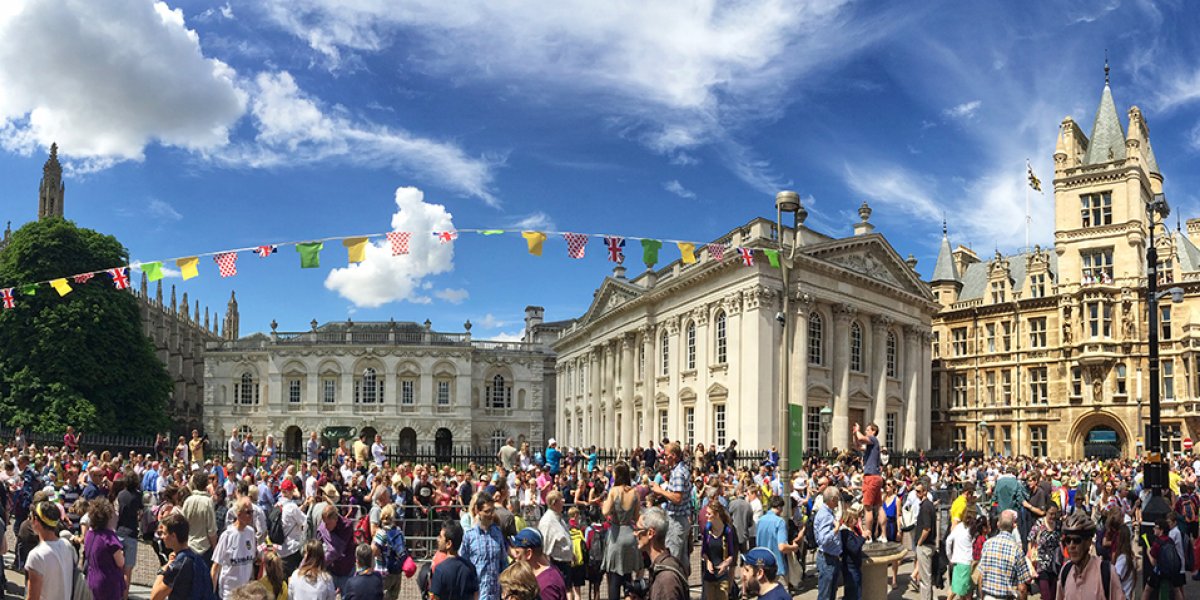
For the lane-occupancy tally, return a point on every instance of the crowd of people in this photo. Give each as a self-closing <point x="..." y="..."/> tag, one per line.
<point x="241" y="520"/>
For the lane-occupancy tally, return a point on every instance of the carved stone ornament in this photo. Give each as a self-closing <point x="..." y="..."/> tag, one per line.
<point x="700" y="315"/>
<point x="733" y="303"/>
<point x="759" y="297"/>
<point x="881" y="322"/>
<point x="866" y="264"/>
<point x="844" y="312"/>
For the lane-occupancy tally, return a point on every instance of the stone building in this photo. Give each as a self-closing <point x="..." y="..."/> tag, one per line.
<point x="422" y="390"/>
<point x="692" y="352"/>
<point x="1044" y="352"/>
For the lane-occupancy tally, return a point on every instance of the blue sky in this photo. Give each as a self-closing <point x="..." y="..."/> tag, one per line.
<point x="189" y="127"/>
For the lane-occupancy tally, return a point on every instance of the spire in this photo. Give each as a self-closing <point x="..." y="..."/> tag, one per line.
<point x="51" y="190"/>
<point x="231" y="318"/>
<point x="944" y="269"/>
<point x="1107" y="142"/>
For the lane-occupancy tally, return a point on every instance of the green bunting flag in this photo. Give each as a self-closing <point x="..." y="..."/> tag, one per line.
<point x="492" y="231"/>
<point x="30" y="289"/>
<point x="772" y="256"/>
<point x="153" y="270"/>
<point x="310" y="254"/>
<point x="650" y="252"/>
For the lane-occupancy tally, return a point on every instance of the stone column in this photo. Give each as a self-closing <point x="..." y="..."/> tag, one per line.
<point x="648" y="387"/>
<point x="798" y="384"/>
<point x="879" y="333"/>
<point x="926" y="388"/>
<point x="628" y="421"/>
<point x="912" y="403"/>
<point x="592" y="404"/>
<point x="839" y="432"/>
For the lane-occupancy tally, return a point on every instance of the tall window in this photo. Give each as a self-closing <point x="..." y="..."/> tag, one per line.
<point x="1095" y="210"/>
<point x="1164" y="320"/>
<point x="890" y="429"/>
<point x="958" y="384"/>
<point x="690" y="333"/>
<point x="959" y="343"/>
<point x="990" y="335"/>
<point x="408" y="393"/>
<point x="1172" y="437"/>
<point x="689" y="424"/>
<point x="1122" y="379"/>
<point x="1038" y="385"/>
<point x="719" y="424"/>
<point x="1076" y="382"/>
<point x="1037" y="285"/>
<point x="1006" y="336"/>
<point x="666" y="354"/>
<point x="1037" y="441"/>
<point x="582" y="380"/>
<point x="246" y="391"/>
<point x="328" y="390"/>
<point x="935" y="390"/>
<point x="990" y="378"/>
<point x="1037" y="332"/>
<point x="1006" y="432"/>
<point x="663" y="421"/>
<point x="1099" y="315"/>
<point x="294" y="391"/>
<point x="1165" y="271"/>
<point x="812" y="431"/>
<point x="998" y="289"/>
<point x="960" y="438"/>
<point x="891" y="354"/>
<point x="498" y="437"/>
<point x="369" y="388"/>
<point x="499" y="395"/>
<point x="814" y="339"/>
<point x="1168" y="379"/>
<point x="443" y="393"/>
<point x="641" y="373"/>
<point x="856" y="343"/>
<point x="1006" y="387"/>
<point x="721" y="342"/>
<point x="1097" y="265"/>
<point x="937" y="344"/>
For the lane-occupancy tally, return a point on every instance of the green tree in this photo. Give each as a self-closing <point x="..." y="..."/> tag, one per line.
<point x="81" y="359"/>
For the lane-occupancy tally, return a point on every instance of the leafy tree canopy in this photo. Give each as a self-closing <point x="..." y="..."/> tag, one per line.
<point x="81" y="359"/>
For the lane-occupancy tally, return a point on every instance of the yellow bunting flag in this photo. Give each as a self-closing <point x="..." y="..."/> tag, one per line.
<point x="535" y="239"/>
<point x="356" y="247"/>
<point x="687" y="252"/>
<point x="188" y="267"/>
<point x="61" y="286"/>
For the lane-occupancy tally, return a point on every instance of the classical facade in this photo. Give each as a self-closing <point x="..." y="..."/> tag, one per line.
<point x="422" y="390"/>
<point x="1044" y="353"/>
<point x="692" y="352"/>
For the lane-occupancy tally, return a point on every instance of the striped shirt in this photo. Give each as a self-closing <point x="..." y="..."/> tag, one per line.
<point x="681" y="482"/>
<point x="1003" y="566"/>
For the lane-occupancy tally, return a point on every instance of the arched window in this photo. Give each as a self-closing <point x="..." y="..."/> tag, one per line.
<point x="691" y="345"/>
<point x="499" y="395"/>
<point x="856" y="362"/>
<point x="722" y="348"/>
<point x="369" y="388"/>
<point x="891" y="354"/>
<point x="498" y="437"/>
<point x="246" y="391"/>
<point x="666" y="354"/>
<point x="814" y="339"/>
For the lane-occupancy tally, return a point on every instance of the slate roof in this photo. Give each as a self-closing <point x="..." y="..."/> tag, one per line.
<point x="1188" y="253"/>
<point x="975" y="280"/>
<point x="944" y="270"/>
<point x="1107" y="135"/>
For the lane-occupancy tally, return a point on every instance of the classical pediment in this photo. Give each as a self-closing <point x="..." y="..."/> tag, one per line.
<point x="612" y="295"/>
<point x="873" y="258"/>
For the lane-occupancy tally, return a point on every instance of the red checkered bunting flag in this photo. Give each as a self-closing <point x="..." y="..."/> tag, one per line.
<point x="83" y="277"/>
<point x="747" y="256"/>
<point x="616" y="248"/>
<point x="399" y="242"/>
<point x="265" y="251"/>
<point x="6" y="295"/>
<point x="120" y="277"/>
<point x="576" y="243"/>
<point x="717" y="251"/>
<point x="226" y="263"/>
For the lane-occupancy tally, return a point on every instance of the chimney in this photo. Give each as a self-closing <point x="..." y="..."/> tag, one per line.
<point x="619" y="272"/>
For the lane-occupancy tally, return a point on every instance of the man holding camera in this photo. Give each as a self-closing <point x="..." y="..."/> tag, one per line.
<point x="759" y="573"/>
<point x="678" y="504"/>
<point x="668" y="580"/>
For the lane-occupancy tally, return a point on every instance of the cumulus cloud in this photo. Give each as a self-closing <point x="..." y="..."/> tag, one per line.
<point x="383" y="278"/>
<point x="963" y="112"/>
<point x="294" y="128"/>
<point x="512" y="336"/>
<point x="453" y="295"/>
<point x="104" y="78"/>
<point x="489" y="321"/>
<point x="677" y="188"/>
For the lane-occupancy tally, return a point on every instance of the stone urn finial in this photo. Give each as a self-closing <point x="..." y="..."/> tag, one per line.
<point x="864" y="212"/>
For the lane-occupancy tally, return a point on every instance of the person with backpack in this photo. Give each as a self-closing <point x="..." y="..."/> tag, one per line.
<point x="667" y="578"/>
<point x="718" y="553"/>
<point x="286" y="527"/>
<point x="186" y="574"/>
<point x="391" y="553"/>
<point x="1084" y="575"/>
<point x="576" y="574"/>
<point x="595" y="538"/>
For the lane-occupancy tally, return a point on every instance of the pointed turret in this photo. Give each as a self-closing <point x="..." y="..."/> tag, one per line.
<point x="945" y="281"/>
<point x="144" y="285"/>
<point x="231" y="318"/>
<point x="1107" y="139"/>
<point x="51" y="191"/>
<point x="1138" y="144"/>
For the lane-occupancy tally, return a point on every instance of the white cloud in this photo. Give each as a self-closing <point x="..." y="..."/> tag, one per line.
<point x="963" y="112"/>
<point x="489" y="321"/>
<point x="105" y="78"/>
<point x="162" y="211"/>
<point x="453" y="295"/>
<point x="513" y="336"/>
<point x="383" y="278"/>
<point x="677" y="188"/>
<point x="537" y="221"/>
<point x="673" y="75"/>
<point x="294" y="129"/>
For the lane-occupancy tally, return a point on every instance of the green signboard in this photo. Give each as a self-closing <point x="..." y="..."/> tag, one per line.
<point x="795" y="435"/>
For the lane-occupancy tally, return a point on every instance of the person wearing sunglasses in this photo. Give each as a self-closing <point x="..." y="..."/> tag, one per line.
<point x="1083" y="576"/>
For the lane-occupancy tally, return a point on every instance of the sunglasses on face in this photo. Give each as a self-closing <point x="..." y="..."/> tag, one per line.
<point x="1072" y="540"/>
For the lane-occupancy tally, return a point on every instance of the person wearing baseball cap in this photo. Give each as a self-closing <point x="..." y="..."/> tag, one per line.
<point x="759" y="573"/>
<point x="294" y="524"/>
<point x="526" y="547"/>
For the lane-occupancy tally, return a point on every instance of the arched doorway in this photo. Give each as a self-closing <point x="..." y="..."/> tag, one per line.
<point x="1099" y="434"/>
<point x="293" y="441"/>
<point x="370" y="433"/>
<point x="408" y="444"/>
<point x="1102" y="441"/>
<point x="443" y="445"/>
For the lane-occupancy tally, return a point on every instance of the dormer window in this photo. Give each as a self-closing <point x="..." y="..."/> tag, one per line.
<point x="1096" y="209"/>
<point x="998" y="295"/>
<point x="1037" y="285"/>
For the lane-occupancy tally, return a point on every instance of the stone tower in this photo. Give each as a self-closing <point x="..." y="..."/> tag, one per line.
<point x="51" y="191"/>
<point x="230" y="330"/>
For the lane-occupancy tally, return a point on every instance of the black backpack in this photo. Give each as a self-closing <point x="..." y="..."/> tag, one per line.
<point x="1169" y="561"/>
<point x="595" y="556"/>
<point x="275" y="530"/>
<point x="1105" y="574"/>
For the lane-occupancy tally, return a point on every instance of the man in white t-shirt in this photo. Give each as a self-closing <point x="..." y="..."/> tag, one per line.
<point x="233" y="559"/>
<point x="48" y="569"/>
<point x="378" y="451"/>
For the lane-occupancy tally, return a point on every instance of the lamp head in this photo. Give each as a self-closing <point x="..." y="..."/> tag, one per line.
<point x="1158" y="204"/>
<point x="1176" y="294"/>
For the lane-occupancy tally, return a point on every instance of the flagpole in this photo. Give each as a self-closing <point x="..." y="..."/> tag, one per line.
<point x="1029" y="170"/>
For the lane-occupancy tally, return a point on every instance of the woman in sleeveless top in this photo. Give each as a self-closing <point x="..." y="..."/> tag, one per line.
<point x="621" y="555"/>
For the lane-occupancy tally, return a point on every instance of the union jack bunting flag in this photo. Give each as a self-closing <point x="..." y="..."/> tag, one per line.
<point x="747" y="256"/>
<point x="226" y="263"/>
<point x="445" y="237"/>
<point x="616" y="246"/>
<point x="6" y="295"/>
<point x="120" y="277"/>
<point x="717" y="251"/>
<point x="576" y="243"/>
<point x="83" y="277"/>
<point x="265" y="251"/>
<point x="399" y="242"/>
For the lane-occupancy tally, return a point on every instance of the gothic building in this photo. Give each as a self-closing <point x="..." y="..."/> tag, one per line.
<point x="1044" y="353"/>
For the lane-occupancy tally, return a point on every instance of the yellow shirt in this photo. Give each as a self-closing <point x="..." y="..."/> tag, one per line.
<point x="1174" y="482"/>
<point x="958" y="508"/>
<point x="283" y="591"/>
<point x="196" y="445"/>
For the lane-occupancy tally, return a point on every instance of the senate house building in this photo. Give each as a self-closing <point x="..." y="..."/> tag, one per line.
<point x="691" y="352"/>
<point x="1044" y="353"/>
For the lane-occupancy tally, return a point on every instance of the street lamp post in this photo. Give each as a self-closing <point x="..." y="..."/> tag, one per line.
<point x="826" y="422"/>
<point x="983" y="434"/>
<point x="785" y="202"/>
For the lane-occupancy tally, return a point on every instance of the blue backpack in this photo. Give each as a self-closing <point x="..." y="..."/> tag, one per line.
<point x="202" y="584"/>
<point x="395" y="551"/>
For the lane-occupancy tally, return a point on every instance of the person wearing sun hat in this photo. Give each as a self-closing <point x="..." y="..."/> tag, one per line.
<point x="760" y="571"/>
